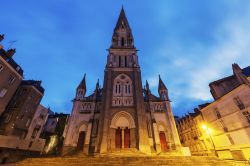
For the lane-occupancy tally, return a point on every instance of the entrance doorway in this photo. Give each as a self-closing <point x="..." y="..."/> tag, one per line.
<point x="118" y="138"/>
<point x="164" y="145"/>
<point x="122" y="138"/>
<point x="81" y="140"/>
<point x="127" y="138"/>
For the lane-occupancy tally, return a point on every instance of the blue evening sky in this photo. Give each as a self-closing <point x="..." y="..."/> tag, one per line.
<point x="189" y="42"/>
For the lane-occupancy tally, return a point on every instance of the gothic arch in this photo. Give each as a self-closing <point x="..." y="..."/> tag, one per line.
<point x="122" y="91"/>
<point x="122" y="119"/>
<point x="122" y="85"/>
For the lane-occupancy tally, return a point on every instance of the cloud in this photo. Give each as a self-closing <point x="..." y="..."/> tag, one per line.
<point x="233" y="48"/>
<point x="190" y="43"/>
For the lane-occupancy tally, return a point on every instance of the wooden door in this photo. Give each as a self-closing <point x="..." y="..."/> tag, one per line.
<point x="81" y="140"/>
<point x="118" y="138"/>
<point x="127" y="138"/>
<point x="164" y="145"/>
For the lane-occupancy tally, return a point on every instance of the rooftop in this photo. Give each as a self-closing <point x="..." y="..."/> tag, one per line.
<point x="11" y="62"/>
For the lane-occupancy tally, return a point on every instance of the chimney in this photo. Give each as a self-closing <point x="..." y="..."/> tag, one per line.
<point x="11" y="52"/>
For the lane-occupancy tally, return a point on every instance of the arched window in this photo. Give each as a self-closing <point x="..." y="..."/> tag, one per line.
<point x="123" y="41"/>
<point x="122" y="90"/>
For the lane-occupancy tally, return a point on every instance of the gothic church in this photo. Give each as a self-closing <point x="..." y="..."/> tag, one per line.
<point x="122" y="114"/>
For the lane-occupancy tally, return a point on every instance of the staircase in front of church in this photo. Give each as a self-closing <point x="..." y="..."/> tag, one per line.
<point x="128" y="158"/>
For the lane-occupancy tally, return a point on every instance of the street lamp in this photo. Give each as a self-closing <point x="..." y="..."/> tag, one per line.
<point x="209" y="133"/>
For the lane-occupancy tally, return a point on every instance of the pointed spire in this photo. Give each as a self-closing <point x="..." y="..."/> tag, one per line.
<point x="162" y="90"/>
<point x="122" y="21"/>
<point x="161" y="85"/>
<point x="147" y="86"/>
<point x="122" y="36"/>
<point x="82" y="85"/>
<point x="97" y="85"/>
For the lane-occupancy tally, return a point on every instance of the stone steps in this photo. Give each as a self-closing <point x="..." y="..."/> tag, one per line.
<point x="135" y="160"/>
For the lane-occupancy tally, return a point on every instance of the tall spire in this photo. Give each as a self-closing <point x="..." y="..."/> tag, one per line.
<point x="122" y="36"/>
<point x="122" y="21"/>
<point x="97" y="85"/>
<point x="81" y="89"/>
<point x="82" y="85"/>
<point x="161" y="85"/>
<point x="147" y="86"/>
<point x="162" y="90"/>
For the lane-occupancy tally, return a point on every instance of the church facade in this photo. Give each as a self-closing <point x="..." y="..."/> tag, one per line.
<point x="122" y="114"/>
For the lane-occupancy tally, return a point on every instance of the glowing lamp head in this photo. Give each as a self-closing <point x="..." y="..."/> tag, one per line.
<point x="204" y="127"/>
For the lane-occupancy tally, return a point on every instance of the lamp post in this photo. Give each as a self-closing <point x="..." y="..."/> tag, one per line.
<point x="208" y="131"/>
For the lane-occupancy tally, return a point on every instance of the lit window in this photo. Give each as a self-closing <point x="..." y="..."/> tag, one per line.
<point x="7" y="118"/>
<point x="28" y="123"/>
<point x="230" y="139"/>
<point x="3" y="92"/>
<point x="239" y="103"/>
<point x="247" y="115"/>
<point x="217" y="113"/>
<point x="11" y="79"/>
<point x="1" y="67"/>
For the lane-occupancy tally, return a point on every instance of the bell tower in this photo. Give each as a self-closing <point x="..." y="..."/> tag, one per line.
<point x="122" y="36"/>
<point x="122" y="101"/>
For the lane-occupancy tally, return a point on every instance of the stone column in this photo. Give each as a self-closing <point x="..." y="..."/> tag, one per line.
<point x="87" y="138"/>
<point x="157" y="139"/>
<point x="173" y="129"/>
<point x="122" y="138"/>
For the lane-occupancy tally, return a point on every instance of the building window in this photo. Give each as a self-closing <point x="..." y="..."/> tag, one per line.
<point x="23" y="135"/>
<point x="3" y="91"/>
<point x="239" y="103"/>
<point x="30" y="144"/>
<point x="35" y="132"/>
<point x="28" y="123"/>
<point x="247" y="115"/>
<point x="41" y="116"/>
<point x="120" y="61"/>
<point x="11" y="79"/>
<point x="223" y="126"/>
<point x="21" y="117"/>
<point x="7" y="118"/>
<point x="230" y="139"/>
<point x="217" y="113"/>
<point x="1" y="67"/>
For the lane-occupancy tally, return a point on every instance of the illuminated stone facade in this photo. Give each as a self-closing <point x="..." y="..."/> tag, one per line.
<point x="189" y="129"/>
<point x="223" y="126"/>
<point x="229" y="115"/>
<point x="122" y="114"/>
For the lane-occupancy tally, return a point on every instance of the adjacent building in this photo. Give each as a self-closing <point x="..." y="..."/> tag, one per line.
<point x="18" y="135"/>
<point x="11" y="75"/>
<point x="190" y="131"/>
<point x="54" y="132"/>
<point x="20" y="111"/>
<point x="228" y="117"/>
<point x="222" y="127"/>
<point x="38" y="122"/>
<point x="122" y="114"/>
